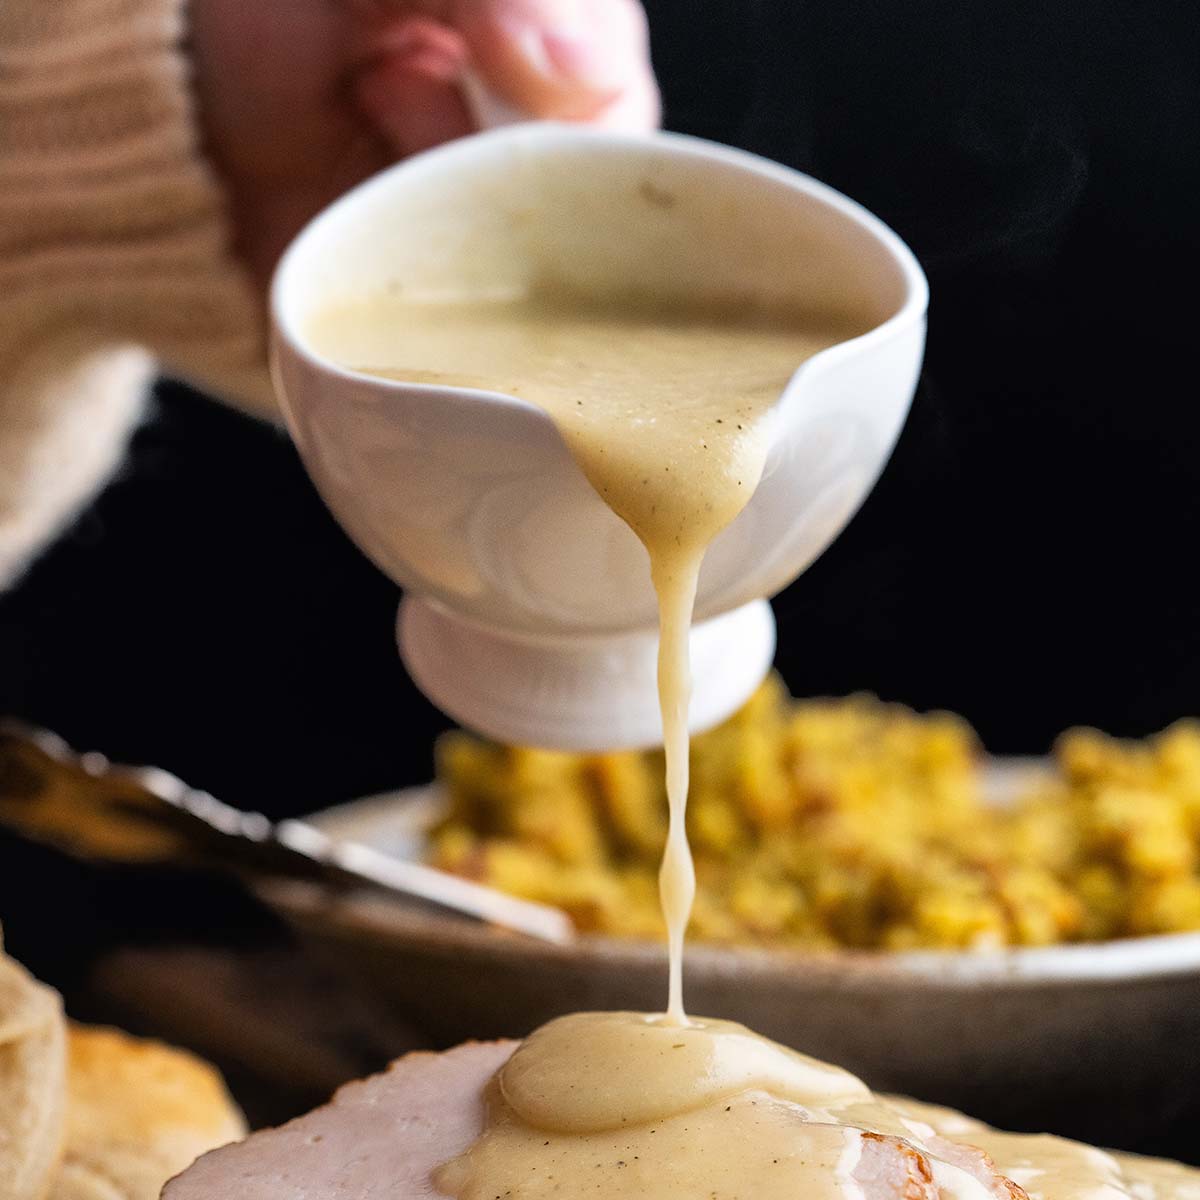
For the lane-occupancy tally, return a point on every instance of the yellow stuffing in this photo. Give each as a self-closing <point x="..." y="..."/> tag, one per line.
<point x="842" y="823"/>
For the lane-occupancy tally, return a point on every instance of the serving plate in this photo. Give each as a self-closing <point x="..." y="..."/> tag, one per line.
<point x="1098" y="1039"/>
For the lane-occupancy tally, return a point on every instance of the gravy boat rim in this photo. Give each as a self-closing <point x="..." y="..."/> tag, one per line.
<point x="283" y="325"/>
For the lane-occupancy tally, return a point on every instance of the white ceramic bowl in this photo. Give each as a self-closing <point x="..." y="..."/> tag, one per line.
<point x="1098" y="1039"/>
<point x="530" y="613"/>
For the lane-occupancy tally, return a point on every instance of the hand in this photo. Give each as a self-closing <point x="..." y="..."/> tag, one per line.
<point x="301" y="99"/>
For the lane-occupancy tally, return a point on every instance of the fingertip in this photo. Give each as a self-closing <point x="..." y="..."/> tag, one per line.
<point x="637" y="110"/>
<point x="564" y="59"/>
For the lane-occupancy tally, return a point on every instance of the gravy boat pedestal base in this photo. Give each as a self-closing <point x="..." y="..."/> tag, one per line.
<point x="584" y="692"/>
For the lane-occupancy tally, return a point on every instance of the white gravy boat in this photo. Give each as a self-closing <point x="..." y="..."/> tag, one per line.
<point x="528" y="611"/>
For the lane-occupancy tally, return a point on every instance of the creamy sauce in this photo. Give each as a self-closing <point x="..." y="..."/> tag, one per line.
<point x="622" y="1106"/>
<point x="1054" y="1168"/>
<point x="663" y="408"/>
<point x="625" y="1104"/>
<point x="666" y="413"/>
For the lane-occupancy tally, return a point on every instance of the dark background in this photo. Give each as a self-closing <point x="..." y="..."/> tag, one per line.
<point x="1028" y="558"/>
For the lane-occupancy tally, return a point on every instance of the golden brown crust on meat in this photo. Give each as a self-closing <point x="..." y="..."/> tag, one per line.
<point x="918" y="1174"/>
<point x="977" y="1162"/>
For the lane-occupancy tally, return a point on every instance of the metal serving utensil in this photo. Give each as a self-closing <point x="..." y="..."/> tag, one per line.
<point x="91" y="808"/>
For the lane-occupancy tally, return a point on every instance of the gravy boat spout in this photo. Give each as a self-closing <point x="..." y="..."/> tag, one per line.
<point x="528" y="610"/>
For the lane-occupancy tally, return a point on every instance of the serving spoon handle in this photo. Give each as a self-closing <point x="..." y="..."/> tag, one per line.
<point x="91" y="808"/>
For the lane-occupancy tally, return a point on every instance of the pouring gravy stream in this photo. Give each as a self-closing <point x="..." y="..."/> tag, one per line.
<point x="664" y="408"/>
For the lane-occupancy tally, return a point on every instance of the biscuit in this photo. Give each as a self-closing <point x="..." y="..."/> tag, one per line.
<point x="138" y="1112"/>
<point x="32" y="1083"/>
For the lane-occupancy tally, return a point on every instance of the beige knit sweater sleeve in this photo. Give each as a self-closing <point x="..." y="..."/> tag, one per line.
<point x="112" y="252"/>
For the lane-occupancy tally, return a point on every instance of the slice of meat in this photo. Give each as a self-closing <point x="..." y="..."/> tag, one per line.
<point x="948" y="1134"/>
<point x="977" y="1163"/>
<point x="378" y="1139"/>
<point x="889" y="1168"/>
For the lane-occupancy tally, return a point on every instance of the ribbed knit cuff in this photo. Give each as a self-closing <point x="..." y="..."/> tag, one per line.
<point x="112" y="227"/>
<point x="113" y="253"/>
